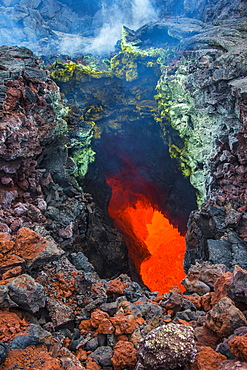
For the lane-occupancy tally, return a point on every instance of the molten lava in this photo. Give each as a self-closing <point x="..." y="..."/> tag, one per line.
<point x="156" y="247"/>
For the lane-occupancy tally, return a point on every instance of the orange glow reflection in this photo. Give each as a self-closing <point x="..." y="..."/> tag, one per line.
<point x="155" y="246"/>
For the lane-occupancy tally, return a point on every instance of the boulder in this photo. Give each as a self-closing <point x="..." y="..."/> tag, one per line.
<point x="168" y="346"/>
<point x="225" y="317"/>
<point x="26" y="293"/>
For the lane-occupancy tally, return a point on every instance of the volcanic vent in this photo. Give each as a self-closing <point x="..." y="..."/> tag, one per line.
<point x="133" y="178"/>
<point x="147" y="198"/>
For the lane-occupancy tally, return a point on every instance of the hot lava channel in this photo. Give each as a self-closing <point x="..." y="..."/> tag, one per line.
<point x="155" y="246"/>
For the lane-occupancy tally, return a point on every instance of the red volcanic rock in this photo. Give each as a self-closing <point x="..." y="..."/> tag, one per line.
<point x="26" y="247"/>
<point x="12" y="273"/>
<point x="31" y="357"/>
<point x="124" y="356"/>
<point x="221" y="287"/>
<point x="105" y="327"/>
<point x="100" y="321"/>
<point x="225" y="317"/>
<point x="122" y="324"/>
<point x="238" y="346"/>
<point x="91" y="365"/>
<point x="206" y="337"/>
<point x="11" y="325"/>
<point x="116" y="286"/>
<point x="97" y="316"/>
<point x="207" y="359"/>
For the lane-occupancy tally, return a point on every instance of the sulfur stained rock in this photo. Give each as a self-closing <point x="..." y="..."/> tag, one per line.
<point x="124" y="355"/>
<point x="238" y="346"/>
<point x="59" y="312"/>
<point x="168" y="346"/>
<point x="233" y="365"/>
<point x="225" y="317"/>
<point x="207" y="359"/>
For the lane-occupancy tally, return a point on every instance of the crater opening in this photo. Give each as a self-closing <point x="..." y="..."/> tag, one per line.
<point x="142" y="189"/>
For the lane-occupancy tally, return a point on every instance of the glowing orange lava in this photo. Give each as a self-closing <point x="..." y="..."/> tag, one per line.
<point x="156" y="247"/>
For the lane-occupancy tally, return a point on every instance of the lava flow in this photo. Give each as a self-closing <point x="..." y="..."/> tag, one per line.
<point x="155" y="246"/>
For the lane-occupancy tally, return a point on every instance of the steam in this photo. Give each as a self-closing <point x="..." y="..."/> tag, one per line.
<point x="133" y="15"/>
<point x="56" y="29"/>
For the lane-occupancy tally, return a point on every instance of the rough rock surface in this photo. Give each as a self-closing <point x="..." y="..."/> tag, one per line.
<point x="168" y="346"/>
<point x="225" y="317"/>
<point x="207" y="359"/>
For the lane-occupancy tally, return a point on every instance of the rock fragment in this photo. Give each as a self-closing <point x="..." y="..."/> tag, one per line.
<point x="225" y="317"/>
<point x="59" y="312"/>
<point x="124" y="356"/>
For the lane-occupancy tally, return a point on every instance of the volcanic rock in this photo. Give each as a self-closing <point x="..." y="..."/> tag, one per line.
<point x="102" y="355"/>
<point x="3" y="352"/>
<point x="23" y="291"/>
<point x="207" y="359"/>
<point x="225" y="317"/>
<point x="233" y="365"/>
<point x="238" y="346"/>
<point x="168" y="346"/>
<point x="60" y="313"/>
<point x="237" y="288"/>
<point x="224" y="348"/>
<point x="124" y="355"/>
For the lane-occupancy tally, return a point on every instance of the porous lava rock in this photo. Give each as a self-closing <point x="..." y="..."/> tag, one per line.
<point x="207" y="359"/>
<point x="168" y="346"/>
<point x="238" y="346"/>
<point x="124" y="355"/>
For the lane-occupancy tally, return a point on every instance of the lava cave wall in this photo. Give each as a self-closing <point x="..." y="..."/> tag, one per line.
<point x="199" y="105"/>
